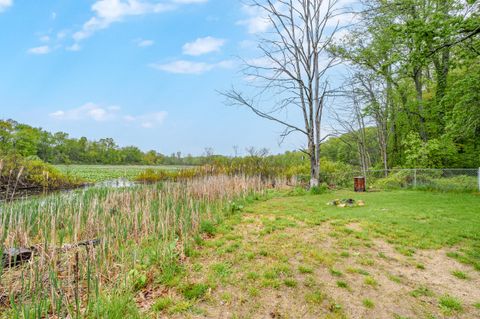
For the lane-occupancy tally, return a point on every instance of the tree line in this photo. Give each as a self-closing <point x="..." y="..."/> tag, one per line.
<point x="59" y="148"/>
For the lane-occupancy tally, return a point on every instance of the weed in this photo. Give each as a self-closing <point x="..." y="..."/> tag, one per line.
<point x="342" y="284"/>
<point x="207" y="227"/>
<point x="305" y="269"/>
<point x="370" y="281"/>
<point x="421" y="291"/>
<point x="292" y="283"/>
<point x="335" y="272"/>
<point x="315" y="297"/>
<point x="195" y="291"/>
<point x="449" y="304"/>
<point x="368" y="303"/>
<point x="460" y="274"/>
<point x="162" y="304"/>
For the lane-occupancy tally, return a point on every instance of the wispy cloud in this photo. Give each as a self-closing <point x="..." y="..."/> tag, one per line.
<point x="4" y="4"/>
<point x="142" y="43"/>
<point x="89" y="111"/>
<point x="190" y="67"/>
<point x="256" y="19"/>
<point x="106" y="12"/>
<point x="97" y="113"/>
<point x="149" y="120"/>
<point x="44" y="49"/>
<point x="203" y="46"/>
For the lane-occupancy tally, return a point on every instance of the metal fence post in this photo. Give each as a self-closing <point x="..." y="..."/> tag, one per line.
<point x="415" y="178"/>
<point x="479" y="179"/>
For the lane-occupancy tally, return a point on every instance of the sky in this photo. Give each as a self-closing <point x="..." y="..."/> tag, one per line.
<point x="144" y="72"/>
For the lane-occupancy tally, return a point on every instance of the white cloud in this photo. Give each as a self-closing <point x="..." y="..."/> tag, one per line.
<point x="189" y="1"/>
<point x="144" y="43"/>
<point x="257" y="20"/>
<point x="107" y="12"/>
<point x="149" y="120"/>
<point x="203" y="46"/>
<point x="44" y="38"/>
<point x="74" y="47"/>
<point x="190" y="67"/>
<point x="4" y="4"/>
<point x="44" y="49"/>
<point x="89" y="111"/>
<point x="94" y="112"/>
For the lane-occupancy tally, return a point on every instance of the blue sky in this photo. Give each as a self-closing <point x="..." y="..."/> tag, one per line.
<point x="145" y="72"/>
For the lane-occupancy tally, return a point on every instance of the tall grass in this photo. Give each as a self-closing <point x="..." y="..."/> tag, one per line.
<point x="148" y="224"/>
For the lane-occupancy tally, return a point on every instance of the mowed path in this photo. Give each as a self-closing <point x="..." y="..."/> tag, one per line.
<point x="270" y="262"/>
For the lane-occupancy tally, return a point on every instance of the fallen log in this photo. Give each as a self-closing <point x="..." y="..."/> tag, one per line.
<point x="14" y="257"/>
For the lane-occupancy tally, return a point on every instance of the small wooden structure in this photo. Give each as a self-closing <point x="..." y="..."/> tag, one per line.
<point x="359" y="184"/>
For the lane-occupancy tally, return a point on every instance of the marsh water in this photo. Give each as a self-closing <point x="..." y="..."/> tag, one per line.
<point x="25" y="194"/>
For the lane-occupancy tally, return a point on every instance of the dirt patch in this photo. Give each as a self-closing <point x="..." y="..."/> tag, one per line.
<point x="303" y="271"/>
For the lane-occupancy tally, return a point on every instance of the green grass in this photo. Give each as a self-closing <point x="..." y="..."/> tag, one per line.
<point x="408" y="219"/>
<point x="98" y="173"/>
<point x="450" y="304"/>
<point x="368" y="303"/>
<point x="460" y="274"/>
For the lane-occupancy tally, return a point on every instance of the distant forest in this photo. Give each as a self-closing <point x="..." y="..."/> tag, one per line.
<point x="59" y="148"/>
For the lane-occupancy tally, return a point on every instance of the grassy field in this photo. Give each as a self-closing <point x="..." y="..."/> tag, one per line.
<point x="406" y="254"/>
<point x="222" y="248"/>
<point x="98" y="173"/>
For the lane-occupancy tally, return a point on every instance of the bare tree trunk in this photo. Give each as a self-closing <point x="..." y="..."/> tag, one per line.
<point x="298" y="38"/>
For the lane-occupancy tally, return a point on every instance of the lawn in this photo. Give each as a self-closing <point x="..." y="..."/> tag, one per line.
<point x="98" y="173"/>
<point x="405" y="254"/>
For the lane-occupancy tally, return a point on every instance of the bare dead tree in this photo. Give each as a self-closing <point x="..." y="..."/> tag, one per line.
<point x="375" y="93"/>
<point x="292" y="77"/>
<point x="352" y="122"/>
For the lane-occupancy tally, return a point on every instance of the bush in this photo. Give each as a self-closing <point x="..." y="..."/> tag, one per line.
<point x="33" y="173"/>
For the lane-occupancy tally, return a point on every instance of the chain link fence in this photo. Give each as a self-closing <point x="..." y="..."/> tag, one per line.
<point x="447" y="179"/>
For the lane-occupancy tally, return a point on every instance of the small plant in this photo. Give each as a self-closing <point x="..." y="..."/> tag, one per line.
<point x="292" y="283"/>
<point x="195" y="291"/>
<point x="305" y="269"/>
<point x="421" y="291"/>
<point x="162" y="304"/>
<point x="342" y="284"/>
<point x="180" y="307"/>
<point x="335" y="272"/>
<point x="460" y="274"/>
<point x="316" y="297"/>
<point x="477" y="305"/>
<point x="207" y="227"/>
<point x="449" y="304"/>
<point x="370" y="281"/>
<point x="368" y="303"/>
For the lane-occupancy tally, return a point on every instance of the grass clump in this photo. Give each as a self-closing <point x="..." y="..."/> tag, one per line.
<point x="421" y="292"/>
<point x="460" y="274"/>
<point x="195" y="291"/>
<point x="342" y="284"/>
<point x="450" y="304"/>
<point x="305" y="269"/>
<point x="316" y="297"/>
<point x="367" y="303"/>
<point x="369" y="280"/>
<point x="117" y="306"/>
<point x="207" y="227"/>
<point x="292" y="283"/>
<point x="162" y="304"/>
